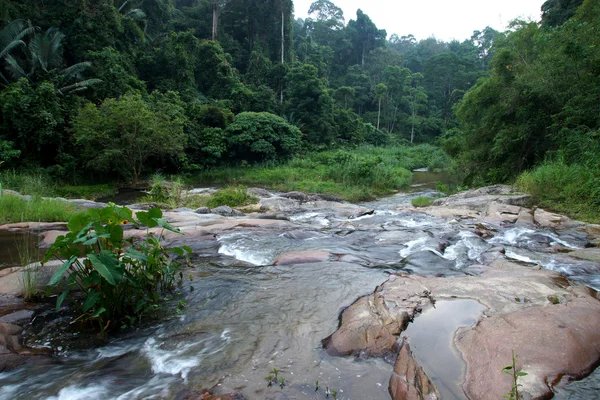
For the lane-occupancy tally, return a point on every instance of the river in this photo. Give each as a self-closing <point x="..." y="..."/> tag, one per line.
<point x="244" y="316"/>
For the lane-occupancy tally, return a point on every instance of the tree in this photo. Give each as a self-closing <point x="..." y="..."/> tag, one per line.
<point x="310" y="102"/>
<point x="556" y="12"/>
<point x="124" y="135"/>
<point x="416" y="98"/>
<point x="12" y="37"/>
<point x="365" y="36"/>
<point x="380" y="94"/>
<point x="260" y="137"/>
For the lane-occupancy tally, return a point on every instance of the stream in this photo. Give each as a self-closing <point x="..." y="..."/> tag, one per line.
<point x="244" y="316"/>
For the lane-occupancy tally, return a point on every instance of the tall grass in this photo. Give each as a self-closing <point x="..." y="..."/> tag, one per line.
<point x="15" y="209"/>
<point x="355" y="175"/>
<point x="41" y="184"/>
<point x="571" y="189"/>
<point x="29" y="257"/>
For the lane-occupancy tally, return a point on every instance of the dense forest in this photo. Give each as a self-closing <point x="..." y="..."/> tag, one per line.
<point x="120" y="88"/>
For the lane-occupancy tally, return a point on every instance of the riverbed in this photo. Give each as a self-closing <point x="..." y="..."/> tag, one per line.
<point x="246" y="314"/>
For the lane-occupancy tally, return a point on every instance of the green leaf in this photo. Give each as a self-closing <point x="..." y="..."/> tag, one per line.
<point x="188" y="249"/>
<point x="178" y="251"/>
<point x="116" y="234"/>
<point x="61" y="299"/>
<point x="149" y="217"/>
<point x="91" y="241"/>
<point x="61" y="271"/>
<point x="135" y="255"/>
<point x="91" y="300"/>
<point x="78" y="222"/>
<point x="521" y="373"/>
<point x="106" y="264"/>
<point x="98" y="312"/>
<point x="165" y="225"/>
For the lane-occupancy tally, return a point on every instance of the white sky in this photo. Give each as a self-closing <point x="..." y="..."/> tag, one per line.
<point x="444" y="19"/>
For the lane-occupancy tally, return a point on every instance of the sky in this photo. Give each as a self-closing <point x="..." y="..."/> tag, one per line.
<point x="444" y="19"/>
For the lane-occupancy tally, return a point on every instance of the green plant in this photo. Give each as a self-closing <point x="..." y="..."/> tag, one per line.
<point x="515" y="375"/>
<point x="316" y="386"/>
<point x="334" y="394"/>
<point x="29" y="259"/>
<point x="422" y="201"/>
<point x="235" y="196"/>
<point x="16" y="209"/>
<point x="121" y="280"/>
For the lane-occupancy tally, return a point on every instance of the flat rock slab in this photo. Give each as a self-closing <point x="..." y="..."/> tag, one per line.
<point x="301" y="257"/>
<point x="591" y="254"/>
<point x="551" y="340"/>
<point x="18" y="317"/>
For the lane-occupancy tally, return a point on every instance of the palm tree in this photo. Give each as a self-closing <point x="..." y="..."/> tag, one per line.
<point x="44" y="61"/>
<point x="11" y="38"/>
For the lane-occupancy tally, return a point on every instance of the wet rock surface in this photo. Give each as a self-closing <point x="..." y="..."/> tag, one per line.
<point x="268" y="286"/>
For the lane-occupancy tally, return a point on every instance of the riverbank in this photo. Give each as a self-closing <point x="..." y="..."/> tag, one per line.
<point x="254" y="302"/>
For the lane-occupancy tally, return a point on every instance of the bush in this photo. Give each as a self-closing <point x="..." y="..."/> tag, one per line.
<point x="422" y="201"/>
<point x="121" y="280"/>
<point x="232" y="197"/>
<point x="572" y="189"/>
<point x="257" y="137"/>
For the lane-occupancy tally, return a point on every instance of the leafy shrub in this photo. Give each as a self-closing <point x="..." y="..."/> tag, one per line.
<point x="262" y="137"/>
<point x="121" y="280"/>
<point x="422" y="201"/>
<point x="232" y="197"/>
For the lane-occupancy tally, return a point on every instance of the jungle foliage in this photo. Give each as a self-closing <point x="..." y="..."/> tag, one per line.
<point x="115" y="90"/>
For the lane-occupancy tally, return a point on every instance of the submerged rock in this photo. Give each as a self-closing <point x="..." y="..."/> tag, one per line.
<point x="301" y="257"/>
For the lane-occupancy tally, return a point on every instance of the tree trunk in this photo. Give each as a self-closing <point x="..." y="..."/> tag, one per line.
<point x="379" y="114"/>
<point x="412" y="131"/>
<point x="282" y="48"/>
<point x="215" y="26"/>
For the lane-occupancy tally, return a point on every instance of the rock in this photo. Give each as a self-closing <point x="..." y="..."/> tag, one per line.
<point x="86" y="204"/>
<point x="260" y="193"/>
<point x="206" y="395"/>
<point x="280" y="204"/>
<point x="11" y="278"/>
<point x="427" y="262"/>
<point x="547" y="219"/>
<point x="182" y="210"/>
<point x="20" y="317"/>
<point x="409" y="381"/>
<point x="10" y="336"/>
<point x="551" y="340"/>
<point x="227" y="211"/>
<point x="201" y="191"/>
<point x="35" y="227"/>
<point x="401" y="237"/>
<point x="252" y="208"/>
<point x="10" y="361"/>
<point x="478" y="199"/>
<point x="525" y="218"/>
<point x="301" y="197"/>
<point x="324" y="197"/>
<point x="498" y="213"/>
<point x="362" y="214"/>
<point x="203" y="210"/>
<point x="144" y="206"/>
<point x="590" y="254"/>
<point x="301" y="257"/>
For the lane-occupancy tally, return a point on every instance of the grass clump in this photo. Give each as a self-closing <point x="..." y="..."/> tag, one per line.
<point x="422" y="201"/>
<point x="15" y="209"/>
<point x="42" y="184"/>
<point x="354" y="175"/>
<point x="236" y="196"/>
<point x="570" y="189"/>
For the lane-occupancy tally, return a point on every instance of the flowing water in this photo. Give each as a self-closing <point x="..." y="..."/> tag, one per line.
<point x="244" y="317"/>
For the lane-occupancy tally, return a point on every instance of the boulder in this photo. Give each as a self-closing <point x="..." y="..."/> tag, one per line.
<point x="20" y="317"/>
<point x="301" y="257"/>
<point x="551" y="340"/>
<point x="409" y="381"/>
<point x="280" y="204"/>
<point x="324" y="197"/>
<point x="203" y="210"/>
<point x="252" y="208"/>
<point x="227" y="211"/>
<point x="259" y="193"/>
<point x="301" y="197"/>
